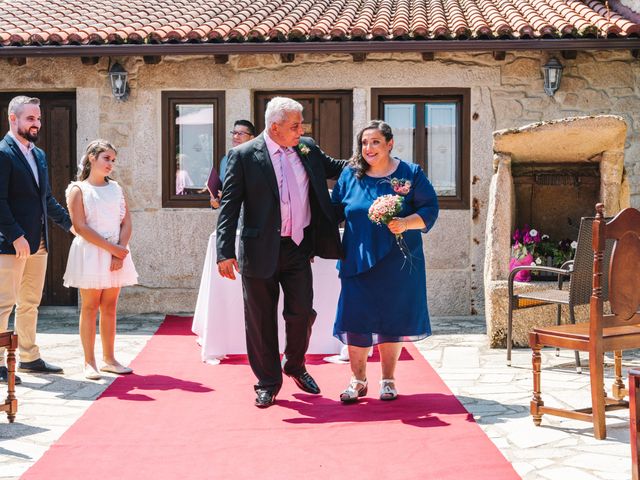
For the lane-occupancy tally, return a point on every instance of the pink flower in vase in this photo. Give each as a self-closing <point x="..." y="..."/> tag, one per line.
<point x="522" y="275"/>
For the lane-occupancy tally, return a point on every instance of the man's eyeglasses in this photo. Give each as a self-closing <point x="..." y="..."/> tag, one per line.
<point x="238" y="132"/>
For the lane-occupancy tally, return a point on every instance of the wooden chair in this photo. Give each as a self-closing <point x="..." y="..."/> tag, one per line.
<point x="613" y="332"/>
<point x="10" y="341"/>
<point x="579" y="272"/>
<point x="634" y="419"/>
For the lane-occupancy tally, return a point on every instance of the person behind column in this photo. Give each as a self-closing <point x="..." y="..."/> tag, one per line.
<point x="383" y="299"/>
<point x="243" y="131"/>
<point x="25" y="204"/>
<point x="279" y="181"/>
<point x="99" y="263"/>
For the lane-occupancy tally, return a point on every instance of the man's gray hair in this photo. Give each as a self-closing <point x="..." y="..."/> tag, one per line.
<point x="17" y="103"/>
<point x="277" y="110"/>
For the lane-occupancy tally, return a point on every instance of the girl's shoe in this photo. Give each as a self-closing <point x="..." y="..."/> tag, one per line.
<point x="91" y="372"/>
<point x="116" y="368"/>
<point x="356" y="389"/>
<point x="387" y="389"/>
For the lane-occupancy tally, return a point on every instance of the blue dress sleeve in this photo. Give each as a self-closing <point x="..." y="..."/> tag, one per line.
<point x="337" y="196"/>
<point x="425" y="199"/>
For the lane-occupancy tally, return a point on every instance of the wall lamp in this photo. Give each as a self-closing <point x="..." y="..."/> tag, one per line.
<point x="552" y="75"/>
<point x="119" y="86"/>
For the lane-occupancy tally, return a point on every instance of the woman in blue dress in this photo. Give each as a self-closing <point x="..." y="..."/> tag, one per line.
<point x="383" y="300"/>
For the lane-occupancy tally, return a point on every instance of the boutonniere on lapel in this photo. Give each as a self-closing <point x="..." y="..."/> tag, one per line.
<point x="401" y="186"/>
<point x="303" y="149"/>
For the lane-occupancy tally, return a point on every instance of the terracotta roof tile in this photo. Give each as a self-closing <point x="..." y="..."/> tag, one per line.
<point x="59" y="22"/>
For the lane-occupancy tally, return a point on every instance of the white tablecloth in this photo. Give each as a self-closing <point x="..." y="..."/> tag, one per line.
<point x="219" y="316"/>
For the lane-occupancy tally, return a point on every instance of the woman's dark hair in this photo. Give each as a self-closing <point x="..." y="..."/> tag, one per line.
<point x="94" y="149"/>
<point x="358" y="163"/>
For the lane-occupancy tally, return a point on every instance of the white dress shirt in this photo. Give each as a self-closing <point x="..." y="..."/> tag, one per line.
<point x="302" y="180"/>
<point x="28" y="154"/>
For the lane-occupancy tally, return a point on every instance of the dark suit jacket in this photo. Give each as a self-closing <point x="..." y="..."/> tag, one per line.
<point x="24" y="207"/>
<point x="250" y="181"/>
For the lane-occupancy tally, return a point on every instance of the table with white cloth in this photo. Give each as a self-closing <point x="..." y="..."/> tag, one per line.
<point x="218" y="320"/>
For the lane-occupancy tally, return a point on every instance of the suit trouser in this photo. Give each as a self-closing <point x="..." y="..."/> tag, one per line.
<point x="21" y="284"/>
<point x="261" y="295"/>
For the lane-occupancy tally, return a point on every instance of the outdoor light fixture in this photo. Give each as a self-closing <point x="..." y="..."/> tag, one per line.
<point x="552" y="74"/>
<point x="118" y="76"/>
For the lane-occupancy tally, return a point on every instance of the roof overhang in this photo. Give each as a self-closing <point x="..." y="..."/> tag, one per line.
<point x="244" y="48"/>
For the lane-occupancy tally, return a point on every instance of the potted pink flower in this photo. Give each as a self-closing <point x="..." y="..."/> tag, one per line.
<point x="523" y="246"/>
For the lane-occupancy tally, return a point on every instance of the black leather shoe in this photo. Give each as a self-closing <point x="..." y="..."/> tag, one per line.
<point x="306" y="383"/>
<point x="4" y="376"/>
<point x="265" y="398"/>
<point x="38" y="366"/>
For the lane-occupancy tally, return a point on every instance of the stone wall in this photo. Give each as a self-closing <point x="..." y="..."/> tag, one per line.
<point x="169" y="244"/>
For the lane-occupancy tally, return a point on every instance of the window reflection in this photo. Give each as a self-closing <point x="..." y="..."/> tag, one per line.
<point x="402" y="119"/>
<point x="437" y="151"/>
<point x="194" y="126"/>
<point x="441" y="130"/>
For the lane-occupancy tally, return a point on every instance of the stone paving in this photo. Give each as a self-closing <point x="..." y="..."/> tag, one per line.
<point x="498" y="397"/>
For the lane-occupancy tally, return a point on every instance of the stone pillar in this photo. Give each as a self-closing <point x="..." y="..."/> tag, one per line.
<point x="611" y="170"/>
<point x="499" y="215"/>
<point x="361" y="110"/>
<point x="498" y="245"/>
<point x="625" y="192"/>
<point x="237" y="107"/>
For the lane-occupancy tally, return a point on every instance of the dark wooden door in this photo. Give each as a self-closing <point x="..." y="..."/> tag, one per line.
<point x="58" y="140"/>
<point x="327" y="117"/>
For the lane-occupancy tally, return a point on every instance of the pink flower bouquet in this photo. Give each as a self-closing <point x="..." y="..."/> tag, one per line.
<point x="382" y="211"/>
<point x="384" y="208"/>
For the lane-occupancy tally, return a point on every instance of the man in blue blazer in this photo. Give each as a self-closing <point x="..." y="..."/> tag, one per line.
<point x="25" y="204"/>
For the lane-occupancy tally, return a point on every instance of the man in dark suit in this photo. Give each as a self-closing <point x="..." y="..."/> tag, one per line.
<point x="25" y="204"/>
<point x="279" y="179"/>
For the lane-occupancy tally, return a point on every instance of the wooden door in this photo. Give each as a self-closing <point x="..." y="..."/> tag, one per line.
<point x="58" y="140"/>
<point x="327" y="117"/>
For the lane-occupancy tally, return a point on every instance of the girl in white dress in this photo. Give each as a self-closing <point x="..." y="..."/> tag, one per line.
<point x="99" y="261"/>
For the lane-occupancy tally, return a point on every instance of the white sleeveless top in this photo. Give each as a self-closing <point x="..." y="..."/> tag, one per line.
<point x="89" y="266"/>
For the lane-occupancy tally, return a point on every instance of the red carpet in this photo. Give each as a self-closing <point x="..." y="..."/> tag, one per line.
<point x="177" y="418"/>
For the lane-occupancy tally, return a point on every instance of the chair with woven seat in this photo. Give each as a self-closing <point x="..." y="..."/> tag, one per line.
<point x="579" y="271"/>
<point x="614" y="332"/>
<point x="10" y="341"/>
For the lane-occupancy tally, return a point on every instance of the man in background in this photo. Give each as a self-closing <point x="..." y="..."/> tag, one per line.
<point x="243" y="131"/>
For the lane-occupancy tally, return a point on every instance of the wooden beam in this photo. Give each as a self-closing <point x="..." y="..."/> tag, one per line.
<point x="569" y="54"/>
<point x="220" y="59"/>
<point x="499" y="55"/>
<point x="287" y="57"/>
<point x="152" y="59"/>
<point x="17" y="61"/>
<point x="359" y="57"/>
<point x="428" y="56"/>
<point x="89" y="60"/>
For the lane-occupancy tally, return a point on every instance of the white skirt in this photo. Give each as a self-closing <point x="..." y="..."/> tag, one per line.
<point x="88" y="267"/>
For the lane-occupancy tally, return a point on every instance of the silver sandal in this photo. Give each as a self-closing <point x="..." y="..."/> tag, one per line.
<point x="388" y="392"/>
<point x="352" y="392"/>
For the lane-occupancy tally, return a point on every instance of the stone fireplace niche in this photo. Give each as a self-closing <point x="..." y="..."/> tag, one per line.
<point x="547" y="175"/>
<point x="553" y="197"/>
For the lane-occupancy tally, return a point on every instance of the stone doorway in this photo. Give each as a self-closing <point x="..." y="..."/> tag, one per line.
<point x="586" y="152"/>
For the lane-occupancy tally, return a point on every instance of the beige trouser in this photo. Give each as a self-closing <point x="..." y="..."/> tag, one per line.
<point x="21" y="284"/>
